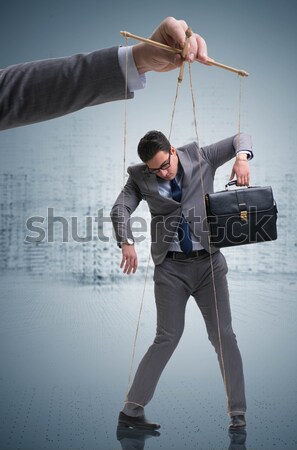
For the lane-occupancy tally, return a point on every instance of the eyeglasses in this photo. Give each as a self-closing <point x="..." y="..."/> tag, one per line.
<point x="164" y="166"/>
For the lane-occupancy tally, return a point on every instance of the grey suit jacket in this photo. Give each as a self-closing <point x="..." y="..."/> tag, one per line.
<point x="165" y="212"/>
<point x="42" y="90"/>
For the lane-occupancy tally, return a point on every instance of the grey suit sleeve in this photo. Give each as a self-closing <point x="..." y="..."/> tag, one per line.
<point x="43" y="90"/>
<point x="220" y="152"/>
<point x="124" y="206"/>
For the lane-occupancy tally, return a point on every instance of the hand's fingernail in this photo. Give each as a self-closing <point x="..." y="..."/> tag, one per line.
<point x="191" y="57"/>
<point x="177" y="60"/>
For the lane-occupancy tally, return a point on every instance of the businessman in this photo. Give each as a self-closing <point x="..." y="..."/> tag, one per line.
<point x="170" y="180"/>
<point x="42" y="90"/>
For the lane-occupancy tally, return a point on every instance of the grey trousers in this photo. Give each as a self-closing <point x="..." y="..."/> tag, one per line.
<point x="175" y="281"/>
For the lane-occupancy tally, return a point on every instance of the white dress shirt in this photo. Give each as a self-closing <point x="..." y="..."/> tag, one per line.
<point x="127" y="65"/>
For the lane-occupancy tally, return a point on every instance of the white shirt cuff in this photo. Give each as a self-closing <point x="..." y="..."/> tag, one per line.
<point x="249" y="153"/>
<point x="135" y="80"/>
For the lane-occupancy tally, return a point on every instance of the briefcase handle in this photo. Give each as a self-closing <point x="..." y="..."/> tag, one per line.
<point x="232" y="183"/>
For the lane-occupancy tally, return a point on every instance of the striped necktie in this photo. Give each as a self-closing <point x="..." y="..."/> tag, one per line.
<point x="183" y="227"/>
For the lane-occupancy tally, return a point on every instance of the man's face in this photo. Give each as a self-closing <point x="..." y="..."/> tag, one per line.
<point x="164" y="164"/>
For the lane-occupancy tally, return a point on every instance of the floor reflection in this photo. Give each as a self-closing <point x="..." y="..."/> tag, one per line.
<point x="237" y="440"/>
<point x="132" y="439"/>
<point x="65" y="361"/>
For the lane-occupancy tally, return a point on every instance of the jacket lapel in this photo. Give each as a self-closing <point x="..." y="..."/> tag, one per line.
<point x="187" y="165"/>
<point x="151" y="183"/>
<point x="152" y="186"/>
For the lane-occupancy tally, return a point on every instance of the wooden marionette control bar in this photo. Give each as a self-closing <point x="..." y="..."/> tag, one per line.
<point x="182" y="52"/>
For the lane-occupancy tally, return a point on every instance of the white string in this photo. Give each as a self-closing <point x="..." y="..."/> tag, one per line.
<point x="125" y="115"/>
<point x="205" y="213"/>
<point x="203" y="200"/>
<point x="123" y="206"/>
<point x="210" y="255"/>
<point x="137" y="330"/>
<point x="239" y="109"/>
<point x="173" y="111"/>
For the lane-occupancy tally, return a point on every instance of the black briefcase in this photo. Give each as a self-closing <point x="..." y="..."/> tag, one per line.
<point x="241" y="216"/>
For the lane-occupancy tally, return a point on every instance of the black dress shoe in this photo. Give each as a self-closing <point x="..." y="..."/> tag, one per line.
<point x="139" y="422"/>
<point x="237" y="422"/>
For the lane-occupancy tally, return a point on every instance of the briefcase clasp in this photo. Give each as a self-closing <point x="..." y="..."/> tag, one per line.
<point x="243" y="216"/>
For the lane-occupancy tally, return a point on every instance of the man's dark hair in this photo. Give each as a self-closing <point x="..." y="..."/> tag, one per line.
<point x="152" y="142"/>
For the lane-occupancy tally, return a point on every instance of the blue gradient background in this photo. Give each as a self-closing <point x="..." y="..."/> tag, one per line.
<point x="66" y="343"/>
<point x="257" y="36"/>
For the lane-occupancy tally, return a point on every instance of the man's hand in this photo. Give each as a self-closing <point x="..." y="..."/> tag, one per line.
<point x="170" y="32"/>
<point x="129" y="259"/>
<point x="241" y="170"/>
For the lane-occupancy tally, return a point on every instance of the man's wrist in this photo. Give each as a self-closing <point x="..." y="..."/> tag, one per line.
<point x="137" y="52"/>
<point x="244" y="155"/>
<point x="127" y="241"/>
